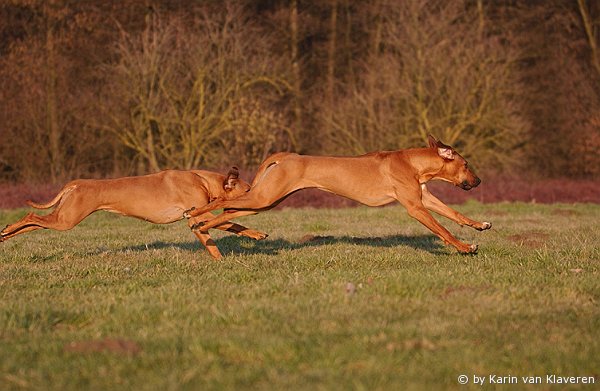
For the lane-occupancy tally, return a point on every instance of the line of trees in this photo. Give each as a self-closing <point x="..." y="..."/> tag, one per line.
<point x="97" y="88"/>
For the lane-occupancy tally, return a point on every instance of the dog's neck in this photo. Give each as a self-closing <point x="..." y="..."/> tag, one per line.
<point x="426" y="162"/>
<point x="213" y="184"/>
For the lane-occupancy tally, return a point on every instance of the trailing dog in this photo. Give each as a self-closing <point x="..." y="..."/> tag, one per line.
<point x="159" y="198"/>
<point x="373" y="179"/>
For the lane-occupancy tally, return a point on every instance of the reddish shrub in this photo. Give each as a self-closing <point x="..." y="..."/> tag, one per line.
<point x="493" y="189"/>
<point x="14" y="195"/>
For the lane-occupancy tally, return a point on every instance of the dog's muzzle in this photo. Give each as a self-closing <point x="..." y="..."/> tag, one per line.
<point x="465" y="185"/>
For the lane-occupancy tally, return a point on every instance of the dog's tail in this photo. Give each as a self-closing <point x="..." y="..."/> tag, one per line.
<point x="65" y="190"/>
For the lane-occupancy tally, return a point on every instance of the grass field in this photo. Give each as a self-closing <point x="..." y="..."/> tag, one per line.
<point x="370" y="301"/>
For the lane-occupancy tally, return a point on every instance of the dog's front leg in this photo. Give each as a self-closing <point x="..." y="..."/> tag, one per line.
<point x="424" y="217"/>
<point x="432" y="203"/>
<point x="205" y="238"/>
<point x="411" y="199"/>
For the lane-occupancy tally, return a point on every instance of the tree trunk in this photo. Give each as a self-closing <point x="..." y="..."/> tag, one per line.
<point x="52" y="125"/>
<point x="331" y="55"/>
<point x="588" y="26"/>
<point x="297" y="82"/>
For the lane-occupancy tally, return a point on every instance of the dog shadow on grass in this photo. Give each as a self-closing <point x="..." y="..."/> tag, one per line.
<point x="244" y="246"/>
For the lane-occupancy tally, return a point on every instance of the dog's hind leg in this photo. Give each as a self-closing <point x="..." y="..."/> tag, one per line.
<point x="241" y="230"/>
<point x="26" y="224"/>
<point x="274" y="185"/>
<point x="199" y="221"/>
<point x="221" y="219"/>
<point x="32" y="222"/>
<point x="65" y="216"/>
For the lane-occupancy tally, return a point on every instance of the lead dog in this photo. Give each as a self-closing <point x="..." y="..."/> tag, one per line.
<point x="159" y="198"/>
<point x="373" y="179"/>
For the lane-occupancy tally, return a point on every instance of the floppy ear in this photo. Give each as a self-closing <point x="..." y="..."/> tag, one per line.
<point x="232" y="179"/>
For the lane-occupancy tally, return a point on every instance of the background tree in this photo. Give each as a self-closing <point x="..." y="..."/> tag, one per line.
<point x="112" y="88"/>
<point x="420" y="81"/>
<point x="43" y="138"/>
<point x="178" y="87"/>
<point x="560" y="97"/>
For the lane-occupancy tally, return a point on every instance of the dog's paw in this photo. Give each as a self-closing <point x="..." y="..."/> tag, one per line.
<point x="197" y="226"/>
<point x="259" y="236"/>
<point x="252" y="234"/>
<point x="470" y="249"/>
<point x="187" y="213"/>
<point x="485" y="225"/>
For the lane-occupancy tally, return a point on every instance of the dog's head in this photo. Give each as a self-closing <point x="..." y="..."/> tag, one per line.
<point x="233" y="185"/>
<point x="455" y="169"/>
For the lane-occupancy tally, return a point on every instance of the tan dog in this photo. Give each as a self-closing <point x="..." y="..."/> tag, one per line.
<point x="373" y="179"/>
<point x="159" y="198"/>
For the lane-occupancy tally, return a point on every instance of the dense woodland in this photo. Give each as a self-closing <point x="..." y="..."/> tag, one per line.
<point x="94" y="88"/>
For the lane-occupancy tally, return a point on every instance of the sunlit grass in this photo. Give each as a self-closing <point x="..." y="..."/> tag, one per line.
<point x="370" y="301"/>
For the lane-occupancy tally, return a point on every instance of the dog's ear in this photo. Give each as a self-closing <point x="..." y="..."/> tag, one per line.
<point x="433" y="143"/>
<point x="443" y="150"/>
<point x="232" y="178"/>
<point x="446" y="152"/>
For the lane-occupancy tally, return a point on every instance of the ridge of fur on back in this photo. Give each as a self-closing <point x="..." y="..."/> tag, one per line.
<point x="268" y="164"/>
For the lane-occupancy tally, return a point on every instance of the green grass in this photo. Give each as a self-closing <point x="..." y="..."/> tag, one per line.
<point x="376" y="302"/>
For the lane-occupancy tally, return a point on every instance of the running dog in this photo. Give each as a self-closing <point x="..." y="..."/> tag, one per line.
<point x="373" y="179"/>
<point x="159" y="198"/>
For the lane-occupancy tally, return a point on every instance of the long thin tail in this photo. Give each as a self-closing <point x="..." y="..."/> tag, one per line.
<point x="56" y="200"/>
